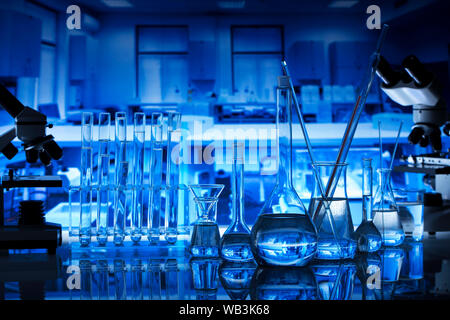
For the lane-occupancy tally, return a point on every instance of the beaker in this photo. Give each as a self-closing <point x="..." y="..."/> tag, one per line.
<point x="334" y="226"/>
<point x="367" y="235"/>
<point x="235" y="242"/>
<point x="205" y="239"/>
<point x="410" y="206"/>
<point x="284" y="234"/>
<point x="385" y="211"/>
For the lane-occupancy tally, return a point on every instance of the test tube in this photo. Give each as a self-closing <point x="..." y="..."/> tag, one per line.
<point x="104" y="139"/>
<point x="154" y="279"/>
<point x="121" y="178"/>
<point x="172" y="175"/>
<point x="136" y="279"/>
<point x="120" y="282"/>
<point x="138" y="177"/>
<point x="156" y="159"/>
<point x="103" y="279"/>
<point x="87" y="122"/>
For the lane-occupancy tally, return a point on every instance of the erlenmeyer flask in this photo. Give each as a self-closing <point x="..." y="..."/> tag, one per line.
<point x="235" y="242"/>
<point x="334" y="226"/>
<point x="284" y="234"/>
<point x="205" y="234"/>
<point x="367" y="234"/>
<point x="385" y="211"/>
<point x="335" y="279"/>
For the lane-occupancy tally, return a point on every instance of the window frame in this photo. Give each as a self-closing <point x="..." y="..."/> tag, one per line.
<point x="255" y="26"/>
<point x="138" y="53"/>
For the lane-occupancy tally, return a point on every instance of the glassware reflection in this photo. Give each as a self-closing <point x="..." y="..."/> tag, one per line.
<point x="335" y="280"/>
<point x="236" y="278"/>
<point x="368" y="264"/>
<point x="205" y="277"/>
<point x="283" y="283"/>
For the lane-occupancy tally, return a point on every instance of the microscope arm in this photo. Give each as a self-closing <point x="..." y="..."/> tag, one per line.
<point x="30" y="128"/>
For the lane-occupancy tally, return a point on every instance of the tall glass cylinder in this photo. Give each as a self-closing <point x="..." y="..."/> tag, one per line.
<point x="334" y="226"/>
<point x="385" y="211"/>
<point x="87" y="123"/>
<point x="156" y="163"/>
<point x="172" y="176"/>
<point x="284" y="233"/>
<point x="121" y="179"/>
<point x="138" y="177"/>
<point x="104" y="140"/>
<point x="367" y="189"/>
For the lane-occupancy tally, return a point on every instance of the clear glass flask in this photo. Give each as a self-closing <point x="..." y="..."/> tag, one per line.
<point x="334" y="226"/>
<point x="104" y="139"/>
<point x="284" y="234"/>
<point x="205" y="238"/>
<point x="367" y="235"/>
<point x="122" y="188"/>
<point x="155" y="172"/>
<point x="235" y="242"/>
<point x="87" y="122"/>
<point x="172" y="176"/>
<point x="385" y="211"/>
<point x="138" y="176"/>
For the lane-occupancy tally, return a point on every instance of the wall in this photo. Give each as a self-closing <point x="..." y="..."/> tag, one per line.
<point x="116" y="54"/>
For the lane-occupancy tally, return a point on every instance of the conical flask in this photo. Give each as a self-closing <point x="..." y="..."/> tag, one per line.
<point x="334" y="224"/>
<point x="367" y="234"/>
<point x="235" y="242"/>
<point x="385" y="211"/>
<point x="205" y="238"/>
<point x="284" y="234"/>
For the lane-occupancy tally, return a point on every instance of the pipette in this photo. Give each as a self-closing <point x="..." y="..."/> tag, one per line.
<point x="354" y="119"/>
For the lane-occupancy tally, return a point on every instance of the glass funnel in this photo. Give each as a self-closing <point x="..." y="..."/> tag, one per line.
<point x="385" y="211"/>
<point x="284" y="234"/>
<point x="205" y="236"/>
<point x="235" y="243"/>
<point x="367" y="234"/>
<point x="334" y="226"/>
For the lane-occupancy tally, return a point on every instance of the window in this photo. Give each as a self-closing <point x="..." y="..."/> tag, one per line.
<point x="162" y="63"/>
<point x="47" y="77"/>
<point x="256" y="55"/>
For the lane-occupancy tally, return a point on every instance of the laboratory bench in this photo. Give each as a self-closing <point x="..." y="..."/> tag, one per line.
<point x="414" y="270"/>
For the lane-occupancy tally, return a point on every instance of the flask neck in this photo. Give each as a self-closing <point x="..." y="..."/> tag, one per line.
<point x="384" y="197"/>
<point x="367" y="191"/>
<point x="284" y="131"/>
<point x="237" y="188"/>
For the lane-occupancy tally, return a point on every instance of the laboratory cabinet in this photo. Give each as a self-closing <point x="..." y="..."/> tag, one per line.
<point x="202" y="58"/>
<point x="20" y="52"/>
<point x="348" y="61"/>
<point x="307" y="60"/>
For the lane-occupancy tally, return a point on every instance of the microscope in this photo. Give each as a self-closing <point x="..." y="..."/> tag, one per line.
<point x="32" y="232"/>
<point x="415" y="86"/>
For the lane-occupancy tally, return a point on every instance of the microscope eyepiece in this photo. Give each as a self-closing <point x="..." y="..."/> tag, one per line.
<point x="389" y="76"/>
<point x="417" y="71"/>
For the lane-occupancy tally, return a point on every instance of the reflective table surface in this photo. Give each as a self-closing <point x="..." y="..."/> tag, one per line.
<point x="415" y="270"/>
